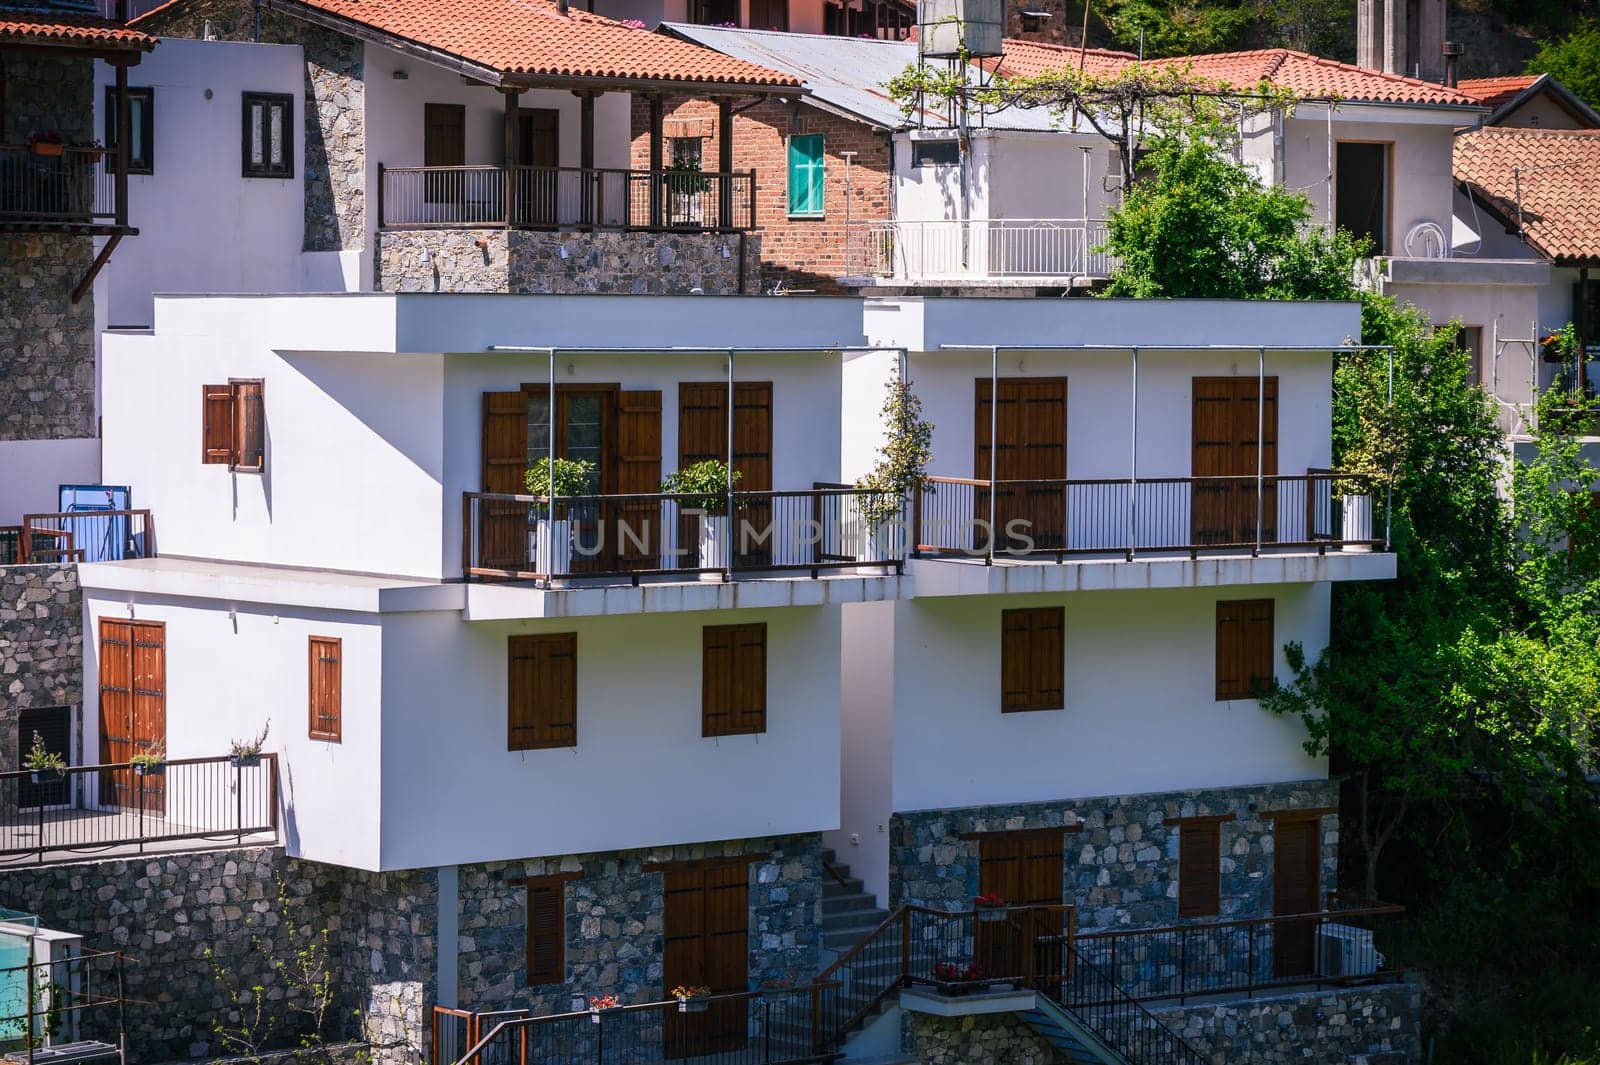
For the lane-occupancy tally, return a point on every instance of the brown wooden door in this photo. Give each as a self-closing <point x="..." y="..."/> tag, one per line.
<point x="503" y="526"/>
<point x="1296" y="889"/>
<point x="1024" y="869"/>
<point x="538" y="147"/>
<point x="637" y="525"/>
<point x="703" y="434"/>
<point x="133" y="709"/>
<point x="705" y="938"/>
<point x="1030" y="425"/>
<point x="444" y="143"/>
<point x="1224" y="427"/>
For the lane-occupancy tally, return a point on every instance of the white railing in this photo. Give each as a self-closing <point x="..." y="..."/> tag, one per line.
<point x="952" y="249"/>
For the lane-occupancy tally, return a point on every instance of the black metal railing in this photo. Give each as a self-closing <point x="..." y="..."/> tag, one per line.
<point x="1147" y="515"/>
<point x="1352" y="941"/>
<point x="654" y="534"/>
<point x="51" y="1003"/>
<point x="79" y="536"/>
<point x="70" y="184"/>
<point x="120" y="805"/>
<point x="560" y="197"/>
<point x="1116" y="1018"/>
<point x="779" y="1027"/>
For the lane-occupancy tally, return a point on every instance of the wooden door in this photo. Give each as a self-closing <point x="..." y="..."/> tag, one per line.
<point x="703" y="434"/>
<point x="1024" y="869"/>
<point x="444" y="144"/>
<point x="538" y="148"/>
<point x="503" y="526"/>
<point x="1224" y="425"/>
<point x="133" y="709"/>
<point x="1296" y="889"/>
<point x="637" y="524"/>
<point x="705" y="937"/>
<point x="1030" y="427"/>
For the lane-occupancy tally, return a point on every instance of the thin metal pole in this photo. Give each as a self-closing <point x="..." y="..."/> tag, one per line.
<point x="727" y="573"/>
<point x="550" y="469"/>
<point x="1133" y="460"/>
<point x="1261" y="432"/>
<point x="994" y="443"/>
<point x="1388" y="498"/>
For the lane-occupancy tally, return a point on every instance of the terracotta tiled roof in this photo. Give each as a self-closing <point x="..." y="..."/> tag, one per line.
<point x="70" y="31"/>
<point x="533" y="38"/>
<point x="1496" y="92"/>
<point x="1307" y="75"/>
<point x="1560" y="196"/>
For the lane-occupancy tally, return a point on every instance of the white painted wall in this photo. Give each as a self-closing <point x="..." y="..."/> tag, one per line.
<point x="866" y="376"/>
<point x="641" y="774"/>
<point x="228" y="675"/>
<point x="202" y="226"/>
<point x="930" y="193"/>
<point x="32" y="472"/>
<point x="866" y="734"/>
<point x="1042" y="175"/>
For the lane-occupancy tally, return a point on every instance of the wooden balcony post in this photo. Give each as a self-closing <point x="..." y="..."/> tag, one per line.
<point x="123" y="135"/>
<point x="512" y="146"/>
<point x="586" y="155"/>
<point x="656" y="121"/>
<point x="725" y="162"/>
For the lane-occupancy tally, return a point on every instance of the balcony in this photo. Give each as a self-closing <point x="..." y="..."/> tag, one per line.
<point x="1056" y="251"/>
<point x="555" y="197"/>
<point x="79" y="536"/>
<point x="73" y="189"/>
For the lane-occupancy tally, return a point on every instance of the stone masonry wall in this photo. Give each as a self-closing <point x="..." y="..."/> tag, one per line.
<point x="41" y="648"/>
<point x="334" y="146"/>
<point x="46" y="342"/>
<point x="499" y="260"/>
<point x="167" y="911"/>
<point x="1121" y="869"/>
<point x="614" y="923"/>
<point x="805" y="253"/>
<point x="1380" y="1025"/>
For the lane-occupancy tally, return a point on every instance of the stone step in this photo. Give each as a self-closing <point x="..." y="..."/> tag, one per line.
<point x="832" y="889"/>
<point x="861" y="900"/>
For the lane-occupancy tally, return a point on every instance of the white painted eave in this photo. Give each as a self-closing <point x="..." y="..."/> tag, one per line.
<point x="232" y="582"/>
<point x="945" y="577"/>
<point x="510" y="602"/>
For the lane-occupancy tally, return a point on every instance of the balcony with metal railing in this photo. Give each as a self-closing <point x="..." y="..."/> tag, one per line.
<point x="1039" y="251"/>
<point x="55" y="186"/>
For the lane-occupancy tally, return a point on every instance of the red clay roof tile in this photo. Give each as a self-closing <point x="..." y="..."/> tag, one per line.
<point x="1560" y="196"/>
<point x="1495" y="92"/>
<point x="61" y="30"/>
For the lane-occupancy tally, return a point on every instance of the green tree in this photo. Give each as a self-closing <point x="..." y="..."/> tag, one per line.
<point x="1575" y="62"/>
<point x="1167" y="29"/>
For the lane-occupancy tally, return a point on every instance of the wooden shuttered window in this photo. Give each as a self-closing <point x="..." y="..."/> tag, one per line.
<point x="1199" y="868"/>
<point x="325" y="679"/>
<point x="233" y="426"/>
<point x="1244" y="648"/>
<point x="1032" y="659"/>
<point x="547" y="928"/>
<point x="542" y="692"/>
<point x="733" y="680"/>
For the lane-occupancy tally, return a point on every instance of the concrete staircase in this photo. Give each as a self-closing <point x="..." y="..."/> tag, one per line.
<point x="1072" y="1041"/>
<point x="849" y="912"/>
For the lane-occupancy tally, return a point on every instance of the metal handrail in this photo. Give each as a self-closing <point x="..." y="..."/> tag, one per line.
<point x="1146" y="1041"/>
<point x="985" y="247"/>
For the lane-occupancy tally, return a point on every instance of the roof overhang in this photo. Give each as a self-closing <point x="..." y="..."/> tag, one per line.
<point x="1453" y="115"/>
<point x="1504" y="211"/>
<point x="1563" y="96"/>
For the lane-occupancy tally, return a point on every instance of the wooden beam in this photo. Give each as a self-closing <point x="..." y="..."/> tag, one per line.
<point x="509" y="168"/>
<point x="124" y="151"/>
<point x="1310" y="813"/>
<point x="100" y="260"/>
<point x="1203" y="819"/>
<point x="1019" y="833"/>
<point x="725" y="162"/>
<point x="656" y="119"/>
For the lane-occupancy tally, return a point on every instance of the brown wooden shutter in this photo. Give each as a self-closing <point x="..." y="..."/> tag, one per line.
<point x="638" y="472"/>
<point x="1223" y="444"/>
<point x="1032" y="659"/>
<point x="325" y="678"/>
<point x="249" y="426"/>
<point x="542" y="691"/>
<point x="505" y="442"/>
<point x="705" y="942"/>
<point x="1244" y="647"/>
<point x="217" y="425"/>
<point x="733" y="684"/>
<point x="1031" y="423"/>
<point x="1199" y="869"/>
<point x="547" y="930"/>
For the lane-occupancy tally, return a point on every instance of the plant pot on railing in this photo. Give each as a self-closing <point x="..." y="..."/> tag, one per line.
<point x="692" y="999"/>
<point x="550" y="546"/>
<point x="243" y="754"/>
<point x="989" y="908"/>
<point x="600" y="1005"/>
<point x="46" y="776"/>
<point x="714" y="544"/>
<point x="44" y="765"/>
<point x="1357" y="517"/>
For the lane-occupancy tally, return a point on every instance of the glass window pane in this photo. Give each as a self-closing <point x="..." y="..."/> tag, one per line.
<point x="538" y="427"/>
<point x="277" y="136"/>
<point x="256" y="138"/>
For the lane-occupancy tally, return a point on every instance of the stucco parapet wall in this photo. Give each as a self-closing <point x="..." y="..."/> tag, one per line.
<point x="942" y="577"/>
<point x="1533" y="272"/>
<point x="503" y="602"/>
<point x="269" y="585"/>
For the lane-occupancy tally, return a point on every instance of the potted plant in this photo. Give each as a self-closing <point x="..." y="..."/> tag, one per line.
<point x="93" y="150"/>
<point x="242" y="753"/>
<point x="152" y="761"/>
<point x="989" y="907"/>
<point x="44" y="765"/>
<point x="950" y="978"/>
<point x="550" y="542"/>
<point x="686" y="186"/>
<point x="47" y="142"/>
<point x="704" y="487"/>
<point x="599" y="1004"/>
<point x="692" y="999"/>
<point x="901" y="470"/>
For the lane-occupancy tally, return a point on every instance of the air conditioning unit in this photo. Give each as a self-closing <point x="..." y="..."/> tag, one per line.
<point x="1344" y="950"/>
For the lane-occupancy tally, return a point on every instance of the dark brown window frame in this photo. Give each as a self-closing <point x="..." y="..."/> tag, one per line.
<point x="552" y="952"/>
<point x="315" y="646"/>
<point x="733" y="728"/>
<point x="1038" y="697"/>
<point x="571" y="738"/>
<point x="147" y="129"/>
<point x="1245" y="687"/>
<point x="246" y="439"/>
<point x="265" y="169"/>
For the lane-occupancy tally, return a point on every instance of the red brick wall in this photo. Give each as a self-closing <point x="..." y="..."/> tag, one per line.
<point x="805" y="253"/>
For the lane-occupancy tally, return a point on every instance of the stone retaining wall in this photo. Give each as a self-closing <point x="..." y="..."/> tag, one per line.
<point x="985" y="1039"/>
<point x="523" y="261"/>
<point x="1379" y="1025"/>
<point x="41" y="648"/>
<point x="1121" y="869"/>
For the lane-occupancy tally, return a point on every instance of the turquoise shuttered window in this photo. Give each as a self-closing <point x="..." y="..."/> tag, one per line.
<point x="805" y="174"/>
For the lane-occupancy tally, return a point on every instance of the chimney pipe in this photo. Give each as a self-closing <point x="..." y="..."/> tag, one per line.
<point x="1452" y="58"/>
<point x="561" y="6"/>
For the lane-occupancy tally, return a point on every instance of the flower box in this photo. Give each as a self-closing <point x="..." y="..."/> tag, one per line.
<point x="49" y="148"/>
<point x="693" y="1005"/>
<point x="244" y="761"/>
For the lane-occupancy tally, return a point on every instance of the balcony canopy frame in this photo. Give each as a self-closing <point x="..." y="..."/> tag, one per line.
<point x="1261" y="350"/>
